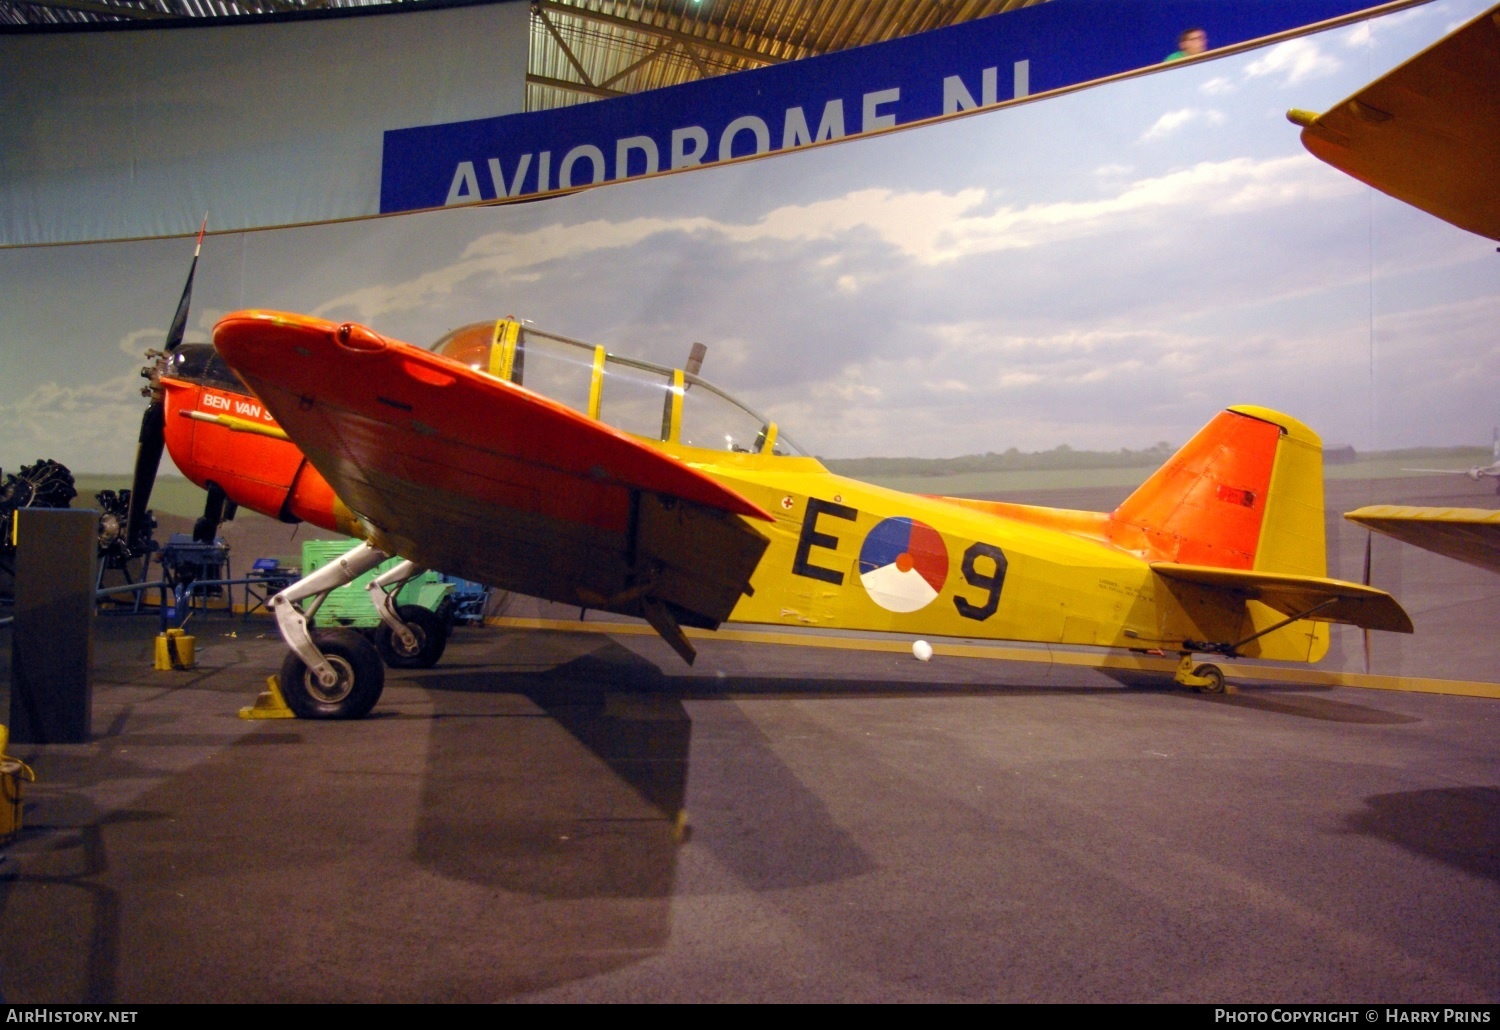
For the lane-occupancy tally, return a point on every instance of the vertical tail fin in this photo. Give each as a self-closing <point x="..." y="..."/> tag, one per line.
<point x="1245" y="493"/>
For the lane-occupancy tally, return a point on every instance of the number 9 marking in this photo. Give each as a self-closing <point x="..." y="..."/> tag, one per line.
<point x="992" y="581"/>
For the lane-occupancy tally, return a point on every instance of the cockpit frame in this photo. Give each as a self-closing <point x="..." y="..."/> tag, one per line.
<point x="624" y="392"/>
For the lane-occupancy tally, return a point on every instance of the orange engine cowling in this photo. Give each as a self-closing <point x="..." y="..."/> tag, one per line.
<point x="265" y="473"/>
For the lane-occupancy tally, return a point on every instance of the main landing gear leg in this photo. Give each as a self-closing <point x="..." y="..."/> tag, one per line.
<point x="409" y="636"/>
<point x="330" y="674"/>
<point x="1206" y="678"/>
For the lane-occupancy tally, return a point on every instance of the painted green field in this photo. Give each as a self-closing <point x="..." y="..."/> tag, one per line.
<point x="174" y="495"/>
<point x="1381" y="465"/>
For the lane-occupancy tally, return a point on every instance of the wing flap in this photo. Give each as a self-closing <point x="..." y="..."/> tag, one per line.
<point x="1468" y="534"/>
<point x="1311" y="597"/>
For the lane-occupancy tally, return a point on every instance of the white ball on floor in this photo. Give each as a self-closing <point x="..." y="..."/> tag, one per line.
<point x="921" y="650"/>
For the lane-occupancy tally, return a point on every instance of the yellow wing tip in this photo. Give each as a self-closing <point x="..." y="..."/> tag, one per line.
<point x="1417" y="513"/>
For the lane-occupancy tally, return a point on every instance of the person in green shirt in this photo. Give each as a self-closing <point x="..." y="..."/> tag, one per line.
<point x="1190" y="43"/>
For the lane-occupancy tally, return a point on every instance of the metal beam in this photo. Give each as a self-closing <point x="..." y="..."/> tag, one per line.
<point x="286" y="5"/>
<point x="697" y="59"/>
<point x="87" y="6"/>
<point x="573" y="87"/>
<point x="563" y="46"/>
<point x="659" y="50"/>
<point x="641" y="28"/>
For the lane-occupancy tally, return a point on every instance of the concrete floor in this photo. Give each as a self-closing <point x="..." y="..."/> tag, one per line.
<point x="859" y="827"/>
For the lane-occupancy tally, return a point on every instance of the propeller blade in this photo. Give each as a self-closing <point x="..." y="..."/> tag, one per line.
<point x="179" y="320"/>
<point x="1369" y="540"/>
<point x="152" y="439"/>
<point x="149" y="445"/>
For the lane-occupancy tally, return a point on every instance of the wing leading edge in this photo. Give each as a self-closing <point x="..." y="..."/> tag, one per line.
<point x="461" y="472"/>
<point x="1468" y="534"/>
<point x="1428" y="132"/>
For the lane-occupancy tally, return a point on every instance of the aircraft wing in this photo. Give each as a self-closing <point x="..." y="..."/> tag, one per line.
<point x="1427" y="132"/>
<point x="1469" y="534"/>
<point x="1312" y="597"/>
<point x="480" y="478"/>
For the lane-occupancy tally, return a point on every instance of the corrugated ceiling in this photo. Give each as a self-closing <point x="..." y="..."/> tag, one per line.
<point x="583" y="50"/>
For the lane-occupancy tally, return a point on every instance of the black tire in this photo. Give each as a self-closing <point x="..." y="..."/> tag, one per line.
<point x="1215" y="677"/>
<point x="361" y="678"/>
<point x="431" y="631"/>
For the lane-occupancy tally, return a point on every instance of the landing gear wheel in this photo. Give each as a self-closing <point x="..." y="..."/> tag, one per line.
<point x="431" y="633"/>
<point x="361" y="678"/>
<point x="1215" y="677"/>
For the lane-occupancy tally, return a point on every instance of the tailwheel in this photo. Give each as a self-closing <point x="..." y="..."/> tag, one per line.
<point x="1214" y="677"/>
<point x="1206" y="678"/>
<point x="430" y="631"/>
<point x="360" y="678"/>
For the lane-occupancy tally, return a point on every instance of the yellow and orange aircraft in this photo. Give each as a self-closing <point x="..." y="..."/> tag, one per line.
<point x="549" y="467"/>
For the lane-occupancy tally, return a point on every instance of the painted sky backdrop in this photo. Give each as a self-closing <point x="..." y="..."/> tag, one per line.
<point x="1104" y="269"/>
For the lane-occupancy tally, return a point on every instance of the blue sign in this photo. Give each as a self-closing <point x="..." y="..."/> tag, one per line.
<point x="977" y="63"/>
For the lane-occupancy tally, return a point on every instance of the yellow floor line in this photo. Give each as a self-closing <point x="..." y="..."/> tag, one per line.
<point x="1000" y="652"/>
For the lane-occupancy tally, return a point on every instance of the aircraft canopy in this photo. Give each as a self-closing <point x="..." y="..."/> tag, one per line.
<point x="636" y="397"/>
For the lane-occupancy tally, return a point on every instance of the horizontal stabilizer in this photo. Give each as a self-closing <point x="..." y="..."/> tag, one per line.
<point x="1468" y="534"/>
<point x="1312" y="597"/>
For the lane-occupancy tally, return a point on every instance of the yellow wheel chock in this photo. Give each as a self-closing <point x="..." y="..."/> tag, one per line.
<point x="270" y="704"/>
<point x="13" y="772"/>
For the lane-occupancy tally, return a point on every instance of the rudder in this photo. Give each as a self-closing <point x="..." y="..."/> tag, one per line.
<point x="1246" y="492"/>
